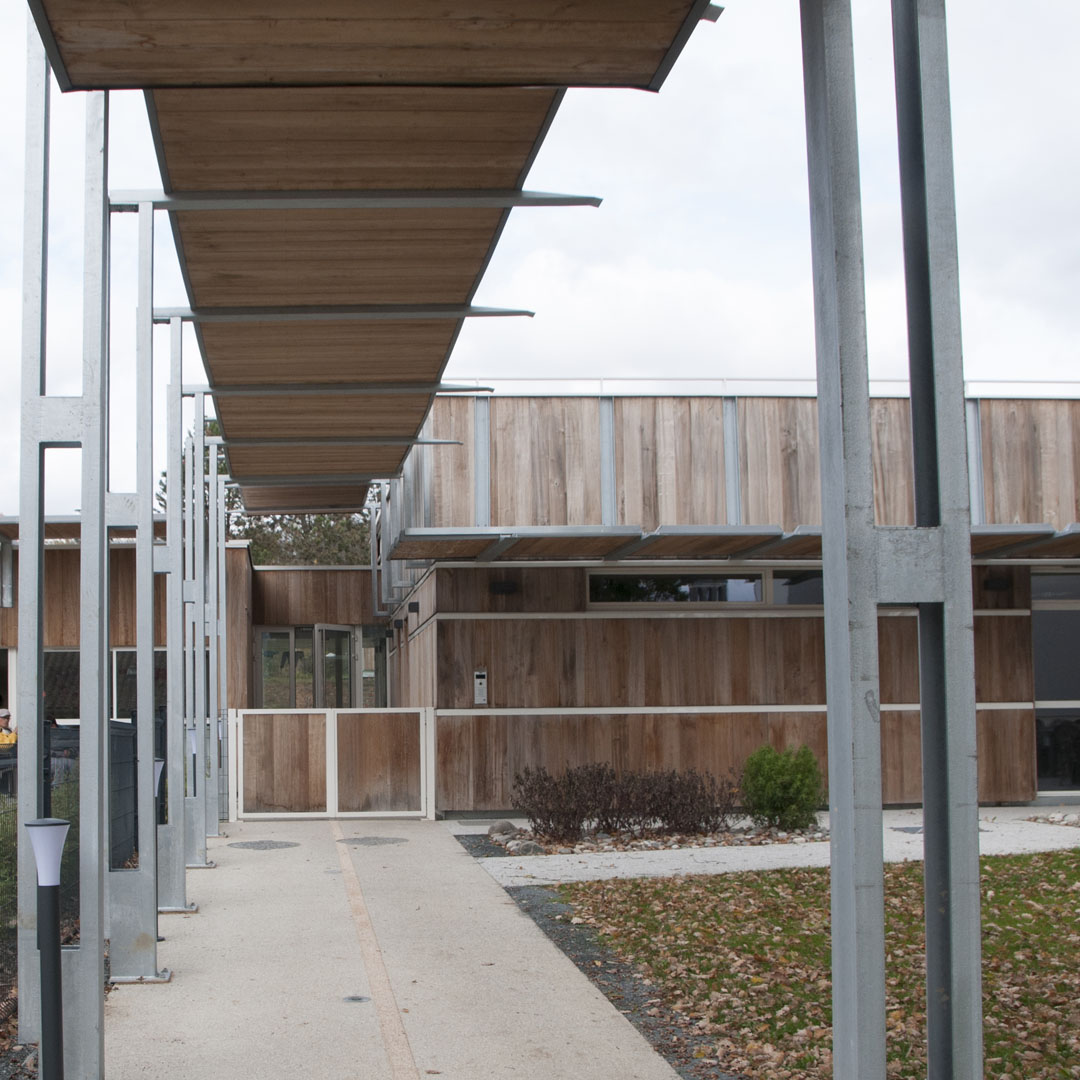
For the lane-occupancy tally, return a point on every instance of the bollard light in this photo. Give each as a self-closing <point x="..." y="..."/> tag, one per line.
<point x="47" y="836"/>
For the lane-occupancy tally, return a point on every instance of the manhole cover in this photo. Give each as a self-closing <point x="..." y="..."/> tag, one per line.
<point x="356" y="997"/>
<point x="264" y="845"/>
<point x="372" y="841"/>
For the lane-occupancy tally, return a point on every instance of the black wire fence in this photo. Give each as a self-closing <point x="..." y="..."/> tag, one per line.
<point x="60" y="767"/>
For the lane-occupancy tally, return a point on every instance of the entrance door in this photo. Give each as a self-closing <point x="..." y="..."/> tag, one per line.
<point x="333" y="666"/>
<point x="1055" y="639"/>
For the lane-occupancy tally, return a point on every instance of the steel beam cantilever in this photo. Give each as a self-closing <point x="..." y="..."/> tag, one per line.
<point x="128" y="201"/>
<point x="336" y="312"/>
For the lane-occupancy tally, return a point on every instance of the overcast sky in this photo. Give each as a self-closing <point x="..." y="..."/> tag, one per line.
<point x="698" y="263"/>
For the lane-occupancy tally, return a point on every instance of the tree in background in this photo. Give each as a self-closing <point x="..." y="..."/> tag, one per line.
<point x="291" y="539"/>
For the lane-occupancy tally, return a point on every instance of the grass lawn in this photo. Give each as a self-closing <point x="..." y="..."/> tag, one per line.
<point x="746" y="958"/>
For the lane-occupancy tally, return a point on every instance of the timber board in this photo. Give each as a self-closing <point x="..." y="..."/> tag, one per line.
<point x="322" y="415"/>
<point x="238" y="612"/>
<point x="348" y="498"/>
<point x="337" y="42"/>
<point x="313" y="257"/>
<point x="378" y="762"/>
<point x="301" y="460"/>
<point x="390" y="350"/>
<point x="284" y="763"/>
<point x="358" y="138"/>
<point x="302" y="597"/>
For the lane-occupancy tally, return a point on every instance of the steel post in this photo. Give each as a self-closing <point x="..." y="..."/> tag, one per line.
<point x="133" y="893"/>
<point x="942" y="494"/>
<point x="84" y="973"/>
<point x="212" y="627"/>
<point x="29" y="712"/>
<point x="849" y="544"/>
<point x="172" y="884"/>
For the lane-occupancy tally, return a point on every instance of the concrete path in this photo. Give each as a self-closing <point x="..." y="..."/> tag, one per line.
<point x="1002" y="831"/>
<point x="458" y="983"/>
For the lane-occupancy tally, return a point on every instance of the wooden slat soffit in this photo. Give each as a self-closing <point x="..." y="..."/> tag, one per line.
<point x="150" y="43"/>
<point x="401" y="96"/>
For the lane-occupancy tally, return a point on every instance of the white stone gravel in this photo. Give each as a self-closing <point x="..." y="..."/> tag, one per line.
<point x="1002" y="831"/>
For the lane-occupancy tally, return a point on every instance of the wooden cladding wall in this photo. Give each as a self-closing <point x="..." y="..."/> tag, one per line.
<point x="545" y="461"/>
<point x="545" y="455"/>
<point x="284" y="763"/>
<point x="303" y="596"/>
<point x="238" y="590"/>
<point x="669" y="461"/>
<point x="1031" y="461"/>
<point x="378" y="761"/>
<point x="478" y="756"/>
<point x="682" y="662"/>
<point x="60" y="621"/>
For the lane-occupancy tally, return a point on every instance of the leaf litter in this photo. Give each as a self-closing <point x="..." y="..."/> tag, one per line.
<point x="744" y="958"/>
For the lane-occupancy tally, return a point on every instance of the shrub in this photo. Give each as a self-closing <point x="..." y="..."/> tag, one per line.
<point x="556" y="806"/>
<point x="559" y="807"/>
<point x="782" y="788"/>
<point x="690" y="802"/>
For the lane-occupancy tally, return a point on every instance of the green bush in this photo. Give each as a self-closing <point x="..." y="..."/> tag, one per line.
<point x="782" y="788"/>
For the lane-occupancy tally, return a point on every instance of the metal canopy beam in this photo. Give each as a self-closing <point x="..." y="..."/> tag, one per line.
<point x="319" y="389"/>
<point x="480" y="198"/>
<point x="309" y="480"/>
<point x="336" y="313"/>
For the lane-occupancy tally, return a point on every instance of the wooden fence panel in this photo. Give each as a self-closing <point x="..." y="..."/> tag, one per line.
<point x="284" y="763"/>
<point x="378" y="762"/>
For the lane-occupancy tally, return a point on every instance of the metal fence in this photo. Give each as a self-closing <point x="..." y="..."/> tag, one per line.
<point x="60" y="763"/>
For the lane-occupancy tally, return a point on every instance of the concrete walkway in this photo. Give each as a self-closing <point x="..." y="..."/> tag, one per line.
<point x="454" y="980"/>
<point x="381" y="950"/>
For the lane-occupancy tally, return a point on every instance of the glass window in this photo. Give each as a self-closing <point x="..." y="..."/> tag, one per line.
<point x="1057" y="747"/>
<point x="274" y="682"/>
<point x="303" y="649"/>
<point x="1055" y="586"/>
<point x="337" y="669"/>
<point x="1055" y="645"/>
<point x="675" y="588"/>
<point x="798" y="587"/>
<point x="125" y="694"/>
<point x="60" y="670"/>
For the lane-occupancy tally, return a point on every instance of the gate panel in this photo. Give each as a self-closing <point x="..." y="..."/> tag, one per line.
<point x="379" y="761"/>
<point x="284" y="763"/>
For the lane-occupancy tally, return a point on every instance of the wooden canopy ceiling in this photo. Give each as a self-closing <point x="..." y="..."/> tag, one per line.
<point x="326" y="327"/>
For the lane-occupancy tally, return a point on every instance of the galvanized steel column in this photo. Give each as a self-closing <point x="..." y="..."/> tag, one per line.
<point x="133" y="895"/>
<point x="849" y="543"/>
<point x="33" y="427"/>
<point x="172" y="883"/>
<point x="213" y="626"/>
<point x="942" y="492"/>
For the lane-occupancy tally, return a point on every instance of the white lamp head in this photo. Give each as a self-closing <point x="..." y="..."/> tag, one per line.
<point x="47" y="836"/>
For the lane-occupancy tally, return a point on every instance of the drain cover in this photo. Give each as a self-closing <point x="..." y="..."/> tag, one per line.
<point x="372" y="841"/>
<point x="264" y="845"/>
<point x="356" y="997"/>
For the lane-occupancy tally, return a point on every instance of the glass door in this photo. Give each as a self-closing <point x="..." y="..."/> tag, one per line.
<point x="333" y="667"/>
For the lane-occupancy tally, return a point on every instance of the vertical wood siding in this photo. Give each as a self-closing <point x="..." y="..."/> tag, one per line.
<point x="285" y="763"/>
<point x="1031" y="461"/>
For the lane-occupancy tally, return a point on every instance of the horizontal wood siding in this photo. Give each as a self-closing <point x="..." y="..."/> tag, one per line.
<point x="545" y="461"/>
<point x="378" y="761"/>
<point x="284" y="763"/>
<point x="1031" y="461"/>
<point x="669" y="461"/>
<point x="778" y="461"/>
<point x="305" y="596"/>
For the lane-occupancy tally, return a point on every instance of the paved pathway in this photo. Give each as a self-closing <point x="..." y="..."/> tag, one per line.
<point x="460" y="984"/>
